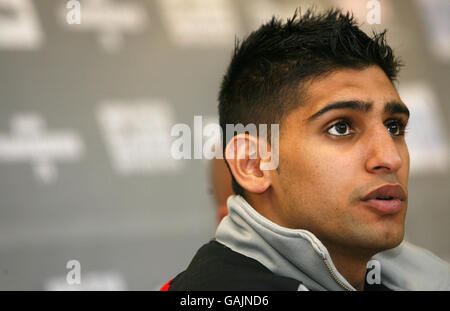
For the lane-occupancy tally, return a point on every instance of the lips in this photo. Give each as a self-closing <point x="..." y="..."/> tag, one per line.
<point x="386" y="199"/>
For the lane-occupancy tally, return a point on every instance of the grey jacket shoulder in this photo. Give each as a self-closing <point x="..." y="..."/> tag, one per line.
<point x="409" y="267"/>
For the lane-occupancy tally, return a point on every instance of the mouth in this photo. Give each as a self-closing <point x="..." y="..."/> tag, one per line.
<point x="384" y="198"/>
<point x="387" y="199"/>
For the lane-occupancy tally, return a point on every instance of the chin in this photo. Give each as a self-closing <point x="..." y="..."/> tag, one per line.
<point x="387" y="239"/>
<point x="386" y="233"/>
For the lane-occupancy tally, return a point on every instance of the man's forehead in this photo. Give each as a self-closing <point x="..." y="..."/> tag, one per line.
<point x="369" y="85"/>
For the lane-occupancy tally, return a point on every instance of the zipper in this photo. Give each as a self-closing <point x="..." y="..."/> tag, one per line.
<point x="317" y="247"/>
<point x="335" y="277"/>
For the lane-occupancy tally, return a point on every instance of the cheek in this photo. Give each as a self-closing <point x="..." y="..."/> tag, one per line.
<point x="404" y="172"/>
<point x="320" y="176"/>
<point x="333" y="176"/>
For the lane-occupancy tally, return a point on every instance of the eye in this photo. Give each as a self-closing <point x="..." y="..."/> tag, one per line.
<point x="396" y="127"/>
<point x="340" y="128"/>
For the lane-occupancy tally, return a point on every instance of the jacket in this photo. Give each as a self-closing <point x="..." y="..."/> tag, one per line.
<point x="249" y="252"/>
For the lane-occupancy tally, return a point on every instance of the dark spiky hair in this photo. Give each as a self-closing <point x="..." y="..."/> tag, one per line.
<point x="263" y="81"/>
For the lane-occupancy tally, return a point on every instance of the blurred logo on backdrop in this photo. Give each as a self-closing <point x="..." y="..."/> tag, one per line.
<point x="30" y="141"/>
<point x="435" y="15"/>
<point x="199" y="23"/>
<point x="110" y="20"/>
<point x="426" y="138"/>
<point x="19" y="25"/>
<point x="137" y="134"/>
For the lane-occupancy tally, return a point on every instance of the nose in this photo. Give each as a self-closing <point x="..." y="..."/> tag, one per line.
<point x="383" y="154"/>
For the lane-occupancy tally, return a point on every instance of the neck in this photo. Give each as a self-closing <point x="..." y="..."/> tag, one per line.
<point x="264" y="204"/>
<point x="350" y="263"/>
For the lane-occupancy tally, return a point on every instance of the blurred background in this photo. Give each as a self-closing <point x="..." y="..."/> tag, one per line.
<point x="87" y="180"/>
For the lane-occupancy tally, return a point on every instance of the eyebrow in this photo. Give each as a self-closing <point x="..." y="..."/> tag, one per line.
<point x="395" y="107"/>
<point x="392" y="107"/>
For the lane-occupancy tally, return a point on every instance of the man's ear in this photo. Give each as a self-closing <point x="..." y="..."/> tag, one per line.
<point x="244" y="161"/>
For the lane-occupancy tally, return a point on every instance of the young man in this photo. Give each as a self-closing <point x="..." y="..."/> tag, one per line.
<point x="338" y="197"/>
